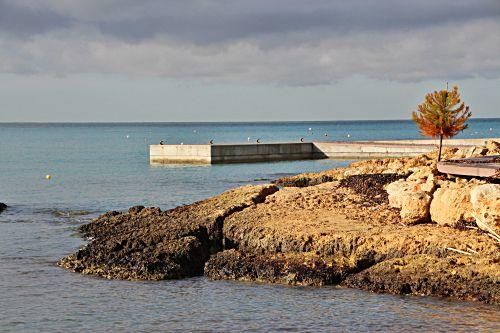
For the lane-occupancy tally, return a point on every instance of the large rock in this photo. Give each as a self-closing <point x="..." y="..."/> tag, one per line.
<point x="493" y="147"/>
<point x="451" y="204"/>
<point x="2" y="207"/>
<point x="485" y="200"/>
<point x="423" y="172"/>
<point x="415" y="207"/>
<point x="411" y="198"/>
<point x="473" y="151"/>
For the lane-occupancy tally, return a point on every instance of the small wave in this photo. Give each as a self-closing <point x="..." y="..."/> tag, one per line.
<point x="70" y="213"/>
<point x="61" y="212"/>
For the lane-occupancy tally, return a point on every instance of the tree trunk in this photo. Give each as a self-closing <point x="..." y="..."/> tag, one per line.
<point x="440" y="146"/>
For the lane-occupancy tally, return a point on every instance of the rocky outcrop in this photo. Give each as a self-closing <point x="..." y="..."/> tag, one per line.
<point x="146" y="243"/>
<point x="2" y="207"/>
<point x="366" y="226"/>
<point x="332" y="231"/>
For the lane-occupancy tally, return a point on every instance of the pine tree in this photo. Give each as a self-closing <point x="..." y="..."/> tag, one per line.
<point x="442" y="115"/>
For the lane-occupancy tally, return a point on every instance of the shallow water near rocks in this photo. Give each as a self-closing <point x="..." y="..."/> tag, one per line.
<point x="96" y="168"/>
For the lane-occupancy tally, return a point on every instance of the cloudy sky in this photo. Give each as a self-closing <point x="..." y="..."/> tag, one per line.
<point x="215" y="60"/>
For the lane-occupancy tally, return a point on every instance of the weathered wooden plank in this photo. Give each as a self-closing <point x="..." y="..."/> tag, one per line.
<point x="477" y="167"/>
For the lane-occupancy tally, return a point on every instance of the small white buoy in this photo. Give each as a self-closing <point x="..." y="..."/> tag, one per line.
<point x="48" y="177"/>
<point x="248" y="139"/>
<point x="310" y="129"/>
<point x="348" y="135"/>
<point x="182" y="143"/>
<point x="127" y="136"/>
<point x="491" y="129"/>
<point x="194" y="131"/>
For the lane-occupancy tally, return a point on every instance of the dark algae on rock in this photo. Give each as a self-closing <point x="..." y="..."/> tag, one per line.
<point x="371" y="186"/>
<point x="295" y="269"/>
<point x="146" y="243"/>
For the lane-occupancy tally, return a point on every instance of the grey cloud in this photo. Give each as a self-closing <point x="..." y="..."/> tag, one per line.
<point x="293" y="42"/>
<point x="231" y="20"/>
<point x="202" y="21"/>
<point x="25" y="21"/>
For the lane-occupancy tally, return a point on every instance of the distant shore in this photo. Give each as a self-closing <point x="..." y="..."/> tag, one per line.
<point x="391" y="225"/>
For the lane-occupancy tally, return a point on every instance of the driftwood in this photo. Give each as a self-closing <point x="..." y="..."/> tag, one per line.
<point x="458" y="251"/>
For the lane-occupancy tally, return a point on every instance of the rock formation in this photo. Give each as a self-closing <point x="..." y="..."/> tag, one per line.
<point x="146" y="243"/>
<point x="2" y="207"/>
<point x="391" y="225"/>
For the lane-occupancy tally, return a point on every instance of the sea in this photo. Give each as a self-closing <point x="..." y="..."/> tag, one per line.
<point x="97" y="167"/>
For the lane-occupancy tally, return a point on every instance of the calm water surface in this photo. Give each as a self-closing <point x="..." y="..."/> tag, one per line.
<point x="100" y="167"/>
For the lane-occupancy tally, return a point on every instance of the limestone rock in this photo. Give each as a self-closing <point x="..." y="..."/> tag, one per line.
<point x="411" y="199"/>
<point x="415" y="207"/>
<point x="493" y="147"/>
<point x="485" y="200"/>
<point x="429" y="184"/>
<point x="474" y="151"/>
<point x="451" y="204"/>
<point x="422" y="172"/>
<point x="397" y="190"/>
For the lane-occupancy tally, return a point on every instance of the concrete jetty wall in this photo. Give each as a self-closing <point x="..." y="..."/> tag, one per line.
<point x="241" y="153"/>
<point x="261" y="152"/>
<point x="180" y="154"/>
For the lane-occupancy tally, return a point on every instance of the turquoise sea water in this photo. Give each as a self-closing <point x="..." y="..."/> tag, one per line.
<point x="101" y="167"/>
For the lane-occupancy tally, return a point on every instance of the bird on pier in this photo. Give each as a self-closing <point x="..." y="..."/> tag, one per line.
<point x="162" y="142"/>
<point x="211" y="141"/>
<point x="301" y="139"/>
<point x="258" y="140"/>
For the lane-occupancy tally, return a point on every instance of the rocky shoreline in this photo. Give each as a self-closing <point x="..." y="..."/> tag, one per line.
<point x="391" y="225"/>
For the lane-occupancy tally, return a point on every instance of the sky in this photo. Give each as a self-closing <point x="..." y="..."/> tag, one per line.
<point x="243" y="60"/>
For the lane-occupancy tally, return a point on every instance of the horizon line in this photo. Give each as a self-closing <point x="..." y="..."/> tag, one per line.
<point x="219" y="122"/>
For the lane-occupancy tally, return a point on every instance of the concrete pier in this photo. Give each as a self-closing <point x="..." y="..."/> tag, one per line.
<point x="265" y="152"/>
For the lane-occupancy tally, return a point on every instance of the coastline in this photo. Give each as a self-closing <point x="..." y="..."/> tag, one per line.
<point x="342" y="226"/>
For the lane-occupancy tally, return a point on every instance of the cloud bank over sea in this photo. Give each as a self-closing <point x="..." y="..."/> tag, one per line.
<point x="292" y="42"/>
